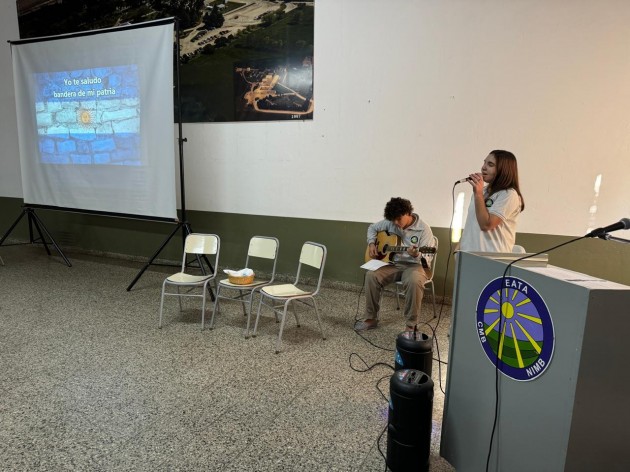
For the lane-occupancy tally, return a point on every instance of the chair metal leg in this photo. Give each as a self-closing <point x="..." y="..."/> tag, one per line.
<point x="297" y="320"/>
<point x="249" y="311"/>
<point x="241" y="298"/>
<point x="179" y="298"/>
<point x="203" y="306"/>
<point x="162" y="305"/>
<point x="284" y="317"/>
<point x="258" y="315"/>
<point x="319" y="321"/>
<point x="215" y="308"/>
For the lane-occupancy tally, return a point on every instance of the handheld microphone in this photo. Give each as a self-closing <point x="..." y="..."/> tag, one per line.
<point x="461" y="181"/>
<point x="623" y="223"/>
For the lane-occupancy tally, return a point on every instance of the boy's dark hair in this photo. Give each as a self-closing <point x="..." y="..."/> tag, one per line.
<point x="397" y="207"/>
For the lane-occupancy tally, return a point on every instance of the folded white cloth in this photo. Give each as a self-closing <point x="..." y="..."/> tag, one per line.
<point x="239" y="273"/>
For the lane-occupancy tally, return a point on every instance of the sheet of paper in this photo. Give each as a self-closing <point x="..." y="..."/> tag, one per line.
<point x="374" y="264"/>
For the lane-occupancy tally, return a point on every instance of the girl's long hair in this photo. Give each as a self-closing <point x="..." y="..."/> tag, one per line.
<point x="507" y="174"/>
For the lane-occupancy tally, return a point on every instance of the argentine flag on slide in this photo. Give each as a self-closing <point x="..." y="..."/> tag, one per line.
<point x="89" y="116"/>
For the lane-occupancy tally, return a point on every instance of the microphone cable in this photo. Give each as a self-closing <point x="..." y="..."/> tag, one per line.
<point x="497" y="383"/>
<point x="450" y="252"/>
<point x="439" y="318"/>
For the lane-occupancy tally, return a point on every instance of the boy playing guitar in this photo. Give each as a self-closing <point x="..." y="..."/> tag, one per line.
<point x="406" y="262"/>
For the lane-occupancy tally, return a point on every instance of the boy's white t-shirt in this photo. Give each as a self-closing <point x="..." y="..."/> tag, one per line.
<point x="506" y="204"/>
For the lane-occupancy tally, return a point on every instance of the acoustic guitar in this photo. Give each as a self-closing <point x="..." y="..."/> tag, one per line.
<point x="388" y="244"/>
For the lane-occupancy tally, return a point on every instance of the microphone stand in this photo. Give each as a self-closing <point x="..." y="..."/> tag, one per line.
<point x="608" y="237"/>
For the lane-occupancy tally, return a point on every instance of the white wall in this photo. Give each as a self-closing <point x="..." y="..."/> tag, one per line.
<point x="411" y="96"/>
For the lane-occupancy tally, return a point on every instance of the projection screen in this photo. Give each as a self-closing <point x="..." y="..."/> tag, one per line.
<point x="95" y="120"/>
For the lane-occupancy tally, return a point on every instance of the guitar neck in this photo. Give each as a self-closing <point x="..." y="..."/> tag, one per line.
<point x="424" y="249"/>
<point x="397" y="248"/>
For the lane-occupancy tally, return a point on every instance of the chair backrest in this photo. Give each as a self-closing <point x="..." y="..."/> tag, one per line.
<point x="314" y="255"/>
<point x="197" y="243"/>
<point x="206" y="244"/>
<point x="264" y="247"/>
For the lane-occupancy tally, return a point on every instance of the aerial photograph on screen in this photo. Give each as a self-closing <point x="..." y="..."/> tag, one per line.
<point x="242" y="60"/>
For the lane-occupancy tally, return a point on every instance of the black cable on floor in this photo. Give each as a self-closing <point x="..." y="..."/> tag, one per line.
<point x="378" y="387"/>
<point x="370" y="367"/>
<point x="378" y="445"/>
<point x="367" y="367"/>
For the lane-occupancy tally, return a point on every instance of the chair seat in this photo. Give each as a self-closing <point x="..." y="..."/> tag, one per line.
<point x="255" y="283"/>
<point x="183" y="278"/>
<point x="262" y="254"/>
<point x="199" y="245"/>
<point x="312" y="258"/>
<point x="284" y="290"/>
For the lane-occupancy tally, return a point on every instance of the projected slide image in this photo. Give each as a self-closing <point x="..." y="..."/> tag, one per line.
<point x="95" y="120"/>
<point x="89" y="116"/>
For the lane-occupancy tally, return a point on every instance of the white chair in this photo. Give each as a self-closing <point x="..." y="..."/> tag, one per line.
<point x="518" y="249"/>
<point x="198" y="245"/>
<point x="260" y="247"/>
<point x="433" y="260"/>
<point x="278" y="297"/>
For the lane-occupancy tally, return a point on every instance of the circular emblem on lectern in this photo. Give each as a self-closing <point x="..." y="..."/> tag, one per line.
<point x="515" y="328"/>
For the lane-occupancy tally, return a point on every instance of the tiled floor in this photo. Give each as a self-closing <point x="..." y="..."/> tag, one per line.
<point x="88" y="382"/>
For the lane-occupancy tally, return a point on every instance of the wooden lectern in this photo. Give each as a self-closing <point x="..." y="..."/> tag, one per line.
<point x="560" y="355"/>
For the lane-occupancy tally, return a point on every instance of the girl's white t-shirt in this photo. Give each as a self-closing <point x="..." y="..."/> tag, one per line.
<point x="506" y="204"/>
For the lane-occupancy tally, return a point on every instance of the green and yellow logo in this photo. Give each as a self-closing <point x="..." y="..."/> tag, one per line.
<point x="515" y="328"/>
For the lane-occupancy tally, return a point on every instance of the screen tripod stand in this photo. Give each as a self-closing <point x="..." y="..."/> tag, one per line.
<point x="34" y="221"/>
